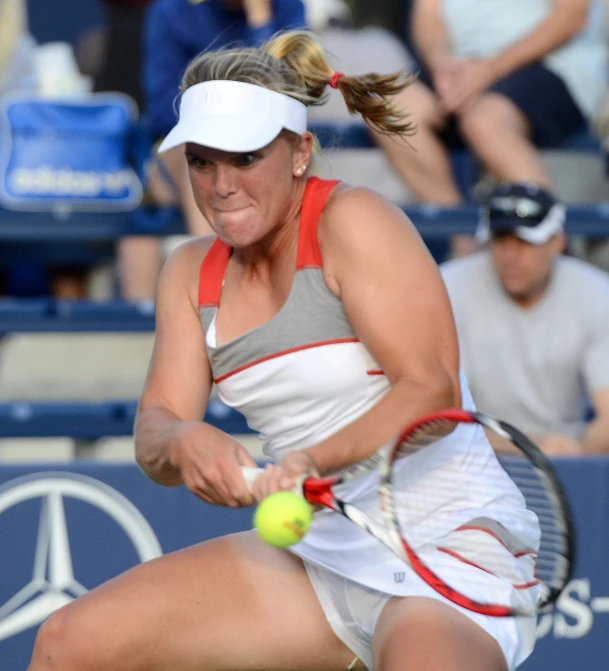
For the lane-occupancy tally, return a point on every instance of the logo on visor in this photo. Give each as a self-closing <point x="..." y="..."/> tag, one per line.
<point x="213" y="98"/>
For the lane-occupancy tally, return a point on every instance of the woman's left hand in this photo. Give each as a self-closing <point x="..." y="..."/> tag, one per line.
<point x="283" y="477"/>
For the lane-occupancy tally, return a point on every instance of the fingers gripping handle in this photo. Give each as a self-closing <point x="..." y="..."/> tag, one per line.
<point x="250" y="474"/>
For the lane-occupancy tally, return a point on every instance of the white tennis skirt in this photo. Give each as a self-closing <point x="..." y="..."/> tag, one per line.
<point x="352" y="608"/>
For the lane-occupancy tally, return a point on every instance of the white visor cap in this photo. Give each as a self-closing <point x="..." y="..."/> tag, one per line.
<point x="234" y="116"/>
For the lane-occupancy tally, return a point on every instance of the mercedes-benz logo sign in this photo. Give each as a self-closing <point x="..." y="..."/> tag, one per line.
<point x="53" y="582"/>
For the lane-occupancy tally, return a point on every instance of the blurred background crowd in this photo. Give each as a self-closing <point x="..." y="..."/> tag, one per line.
<point x="511" y="107"/>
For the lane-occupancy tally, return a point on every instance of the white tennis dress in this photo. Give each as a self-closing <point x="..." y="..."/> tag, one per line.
<point x="304" y="375"/>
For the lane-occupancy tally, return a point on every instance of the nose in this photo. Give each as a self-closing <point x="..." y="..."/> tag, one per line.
<point x="509" y="246"/>
<point x="515" y="247"/>
<point x="224" y="180"/>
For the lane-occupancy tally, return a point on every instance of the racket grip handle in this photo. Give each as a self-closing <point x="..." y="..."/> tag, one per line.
<point x="250" y="474"/>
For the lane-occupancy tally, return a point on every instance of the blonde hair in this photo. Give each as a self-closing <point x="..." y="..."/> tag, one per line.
<point x="294" y="63"/>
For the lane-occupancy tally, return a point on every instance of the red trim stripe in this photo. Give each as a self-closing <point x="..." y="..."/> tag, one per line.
<point x="211" y="274"/>
<point x="454" y="554"/>
<point x="323" y="343"/>
<point x="315" y="198"/>
<point x="213" y="267"/>
<point x="375" y="372"/>
<point x="470" y="527"/>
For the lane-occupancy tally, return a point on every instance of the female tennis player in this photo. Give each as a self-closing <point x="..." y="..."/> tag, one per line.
<point x="319" y="313"/>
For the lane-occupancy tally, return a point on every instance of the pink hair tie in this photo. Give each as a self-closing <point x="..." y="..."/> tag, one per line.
<point x="334" y="79"/>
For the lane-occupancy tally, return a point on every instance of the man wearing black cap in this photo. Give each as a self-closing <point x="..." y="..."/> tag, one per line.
<point x="534" y="325"/>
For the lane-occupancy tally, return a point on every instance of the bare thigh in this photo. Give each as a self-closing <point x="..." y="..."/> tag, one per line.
<point x="422" y="104"/>
<point x="492" y="112"/>
<point x="230" y="603"/>
<point x="416" y="633"/>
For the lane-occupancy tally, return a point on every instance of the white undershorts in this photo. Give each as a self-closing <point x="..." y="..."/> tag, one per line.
<point x="353" y="610"/>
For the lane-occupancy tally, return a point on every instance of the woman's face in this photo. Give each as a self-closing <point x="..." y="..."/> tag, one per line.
<point x="244" y="196"/>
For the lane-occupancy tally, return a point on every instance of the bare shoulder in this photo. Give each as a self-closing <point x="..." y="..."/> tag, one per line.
<point x="349" y="199"/>
<point x="362" y="232"/>
<point x="358" y="212"/>
<point x="181" y="269"/>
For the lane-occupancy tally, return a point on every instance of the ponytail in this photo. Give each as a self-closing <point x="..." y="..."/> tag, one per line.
<point x="368" y="95"/>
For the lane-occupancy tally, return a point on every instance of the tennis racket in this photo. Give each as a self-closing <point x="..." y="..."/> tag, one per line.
<point x="495" y="562"/>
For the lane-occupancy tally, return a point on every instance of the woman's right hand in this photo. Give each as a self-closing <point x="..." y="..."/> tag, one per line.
<point x="210" y="461"/>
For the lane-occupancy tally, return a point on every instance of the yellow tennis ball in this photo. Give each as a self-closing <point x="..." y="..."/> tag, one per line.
<point x="282" y="519"/>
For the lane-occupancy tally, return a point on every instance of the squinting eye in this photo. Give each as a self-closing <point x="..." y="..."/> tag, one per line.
<point x="197" y="162"/>
<point x="246" y="159"/>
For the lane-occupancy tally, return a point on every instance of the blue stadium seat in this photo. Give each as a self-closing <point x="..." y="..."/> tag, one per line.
<point x="584" y="141"/>
<point x="432" y="221"/>
<point x="52" y="316"/>
<point x="90" y="421"/>
<point x="17" y="227"/>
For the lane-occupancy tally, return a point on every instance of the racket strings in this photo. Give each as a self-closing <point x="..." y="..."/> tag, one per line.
<point x="541" y="498"/>
<point x="479" y="562"/>
<point x="423" y="436"/>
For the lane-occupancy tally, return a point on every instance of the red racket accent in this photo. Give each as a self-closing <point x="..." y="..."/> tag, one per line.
<point x="318" y="491"/>
<point x="451" y="594"/>
<point x="455" y="415"/>
<point x="524" y="472"/>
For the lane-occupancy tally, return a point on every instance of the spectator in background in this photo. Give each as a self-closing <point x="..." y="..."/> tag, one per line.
<point x="16" y="47"/>
<point x="13" y="38"/>
<point x="139" y="257"/>
<point x="17" y="72"/>
<point x="533" y="325"/>
<point x="176" y="32"/>
<point x="507" y="76"/>
<point x="122" y="65"/>
<point x="356" y="52"/>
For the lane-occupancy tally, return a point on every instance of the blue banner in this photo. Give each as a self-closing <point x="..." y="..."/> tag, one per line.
<point x="68" y="153"/>
<point x="65" y="530"/>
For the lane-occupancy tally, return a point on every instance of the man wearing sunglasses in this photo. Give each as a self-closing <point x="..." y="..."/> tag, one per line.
<point x="533" y="324"/>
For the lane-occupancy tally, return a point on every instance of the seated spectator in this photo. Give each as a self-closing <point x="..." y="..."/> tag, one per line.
<point x="356" y="52"/>
<point x="17" y="73"/>
<point x="176" y="32"/>
<point x="502" y="76"/>
<point x="16" y="47"/>
<point x="139" y="257"/>
<point x="533" y="325"/>
<point x="121" y="67"/>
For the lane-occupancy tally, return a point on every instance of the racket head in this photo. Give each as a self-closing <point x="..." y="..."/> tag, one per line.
<point x="484" y="547"/>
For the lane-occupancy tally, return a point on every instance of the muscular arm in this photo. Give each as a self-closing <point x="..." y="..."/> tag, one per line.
<point x="567" y="19"/>
<point x="178" y="383"/>
<point x="395" y="299"/>
<point x="172" y="442"/>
